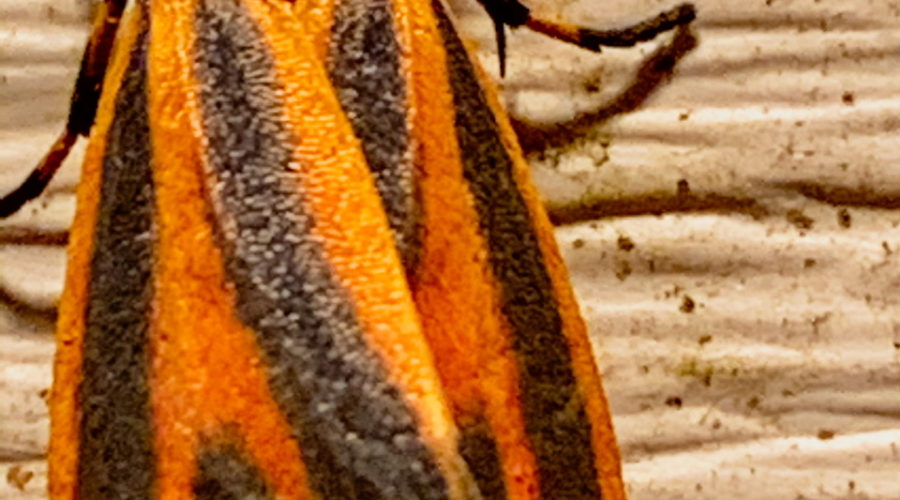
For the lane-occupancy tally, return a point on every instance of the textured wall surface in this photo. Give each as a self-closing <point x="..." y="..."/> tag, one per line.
<point x="727" y="201"/>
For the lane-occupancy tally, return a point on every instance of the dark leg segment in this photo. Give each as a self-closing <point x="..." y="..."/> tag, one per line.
<point x="82" y="110"/>
<point x="594" y="40"/>
<point x="513" y="13"/>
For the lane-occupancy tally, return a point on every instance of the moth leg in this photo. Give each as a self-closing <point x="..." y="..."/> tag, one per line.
<point x="82" y="107"/>
<point x="514" y="14"/>
<point x="594" y="40"/>
<point x="505" y="13"/>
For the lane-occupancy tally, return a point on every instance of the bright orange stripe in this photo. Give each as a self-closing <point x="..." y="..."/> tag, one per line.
<point x="456" y="292"/>
<point x="208" y="376"/>
<point x="317" y="19"/>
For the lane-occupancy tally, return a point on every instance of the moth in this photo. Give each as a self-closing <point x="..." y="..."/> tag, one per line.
<point x="308" y="262"/>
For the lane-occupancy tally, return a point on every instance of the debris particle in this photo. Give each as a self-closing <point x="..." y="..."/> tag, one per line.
<point x="18" y="477"/>
<point x="625" y="243"/>
<point x="578" y="243"/>
<point x="673" y="401"/>
<point x="825" y="434"/>
<point x="799" y="219"/>
<point x="683" y="188"/>
<point x="818" y="321"/>
<point x="623" y="270"/>
<point x="705" y="339"/>
<point x="687" y="305"/>
<point x="753" y="402"/>
<point x="807" y="263"/>
<point x="844" y="218"/>
<point x="848" y="98"/>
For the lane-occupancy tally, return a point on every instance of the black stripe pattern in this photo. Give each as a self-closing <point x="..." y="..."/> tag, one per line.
<point x="358" y="437"/>
<point x="225" y="472"/>
<point x="478" y="447"/>
<point x="555" y="416"/>
<point x="116" y="435"/>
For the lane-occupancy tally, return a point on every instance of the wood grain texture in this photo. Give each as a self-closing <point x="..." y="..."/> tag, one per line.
<point x="730" y="224"/>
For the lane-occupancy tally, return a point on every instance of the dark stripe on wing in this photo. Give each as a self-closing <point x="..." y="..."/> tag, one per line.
<point x="478" y="447"/>
<point x="116" y="435"/>
<point x="555" y="416"/>
<point x="224" y="472"/>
